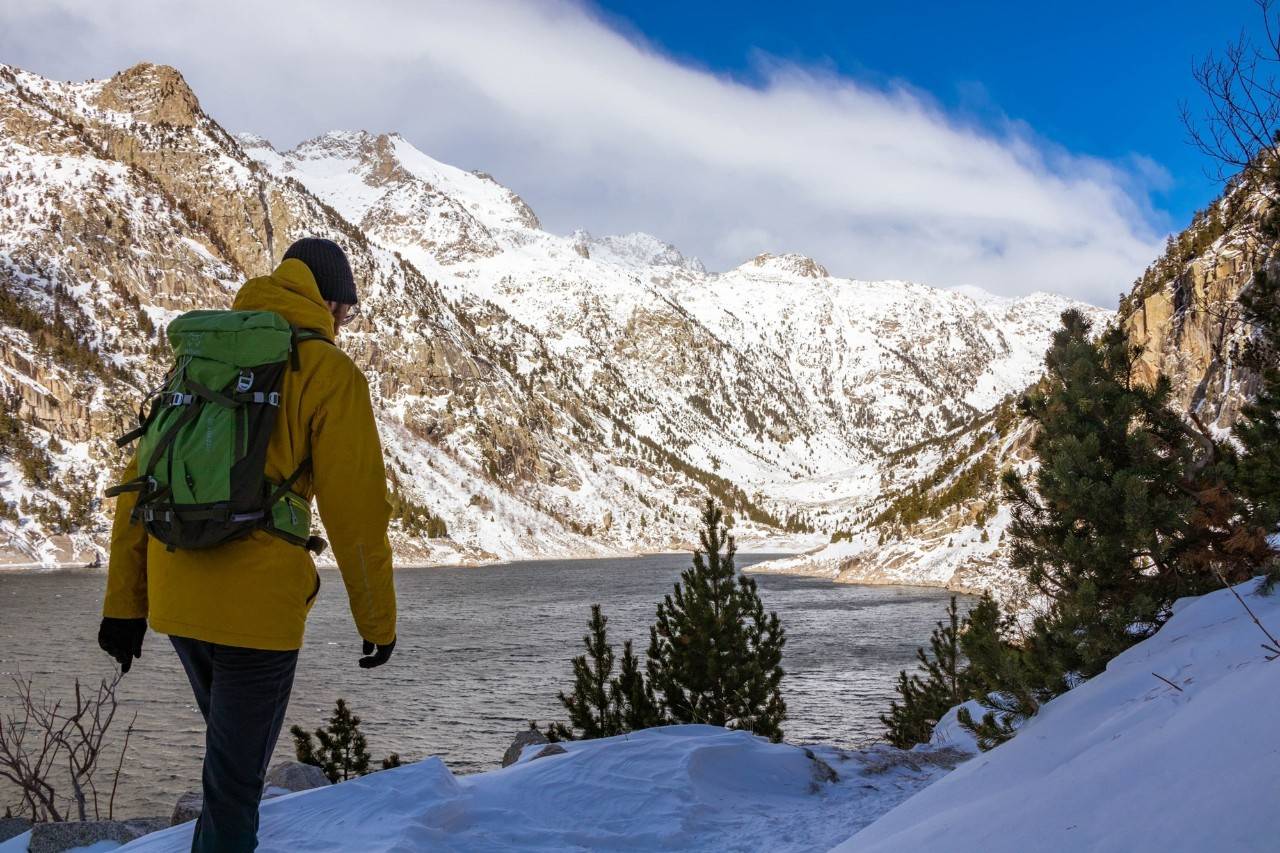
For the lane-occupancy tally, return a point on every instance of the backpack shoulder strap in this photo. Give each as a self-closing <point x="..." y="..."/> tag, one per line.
<point x="297" y="336"/>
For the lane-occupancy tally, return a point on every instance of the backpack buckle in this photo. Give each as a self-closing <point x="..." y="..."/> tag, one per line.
<point x="245" y="382"/>
<point x="177" y="398"/>
<point x="274" y="398"/>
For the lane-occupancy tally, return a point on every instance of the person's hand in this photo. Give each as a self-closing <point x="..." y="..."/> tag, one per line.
<point x="376" y="654"/>
<point x="122" y="639"/>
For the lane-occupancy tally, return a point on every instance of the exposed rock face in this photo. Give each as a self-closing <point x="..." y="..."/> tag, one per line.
<point x="155" y="94"/>
<point x="11" y="826"/>
<point x="188" y="807"/>
<point x="549" y="750"/>
<point x="823" y="773"/>
<point x="1190" y="327"/>
<point x="789" y="263"/>
<point x="287" y="777"/>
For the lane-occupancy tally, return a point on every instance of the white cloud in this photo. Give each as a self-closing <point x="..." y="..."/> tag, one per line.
<point x="598" y="130"/>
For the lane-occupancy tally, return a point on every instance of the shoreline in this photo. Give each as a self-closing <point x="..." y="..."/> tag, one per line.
<point x="49" y="568"/>
<point x="836" y="577"/>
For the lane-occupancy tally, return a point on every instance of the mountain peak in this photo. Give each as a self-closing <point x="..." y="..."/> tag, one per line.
<point x="253" y="140"/>
<point x="634" y="250"/>
<point x="346" y="143"/>
<point x="151" y="93"/>
<point x="790" y="264"/>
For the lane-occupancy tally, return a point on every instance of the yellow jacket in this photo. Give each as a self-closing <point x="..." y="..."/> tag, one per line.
<point x="256" y="592"/>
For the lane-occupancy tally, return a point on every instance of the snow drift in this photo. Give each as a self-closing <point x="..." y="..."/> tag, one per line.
<point x="675" y="788"/>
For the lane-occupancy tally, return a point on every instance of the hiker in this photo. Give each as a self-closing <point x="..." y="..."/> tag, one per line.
<point x="234" y="610"/>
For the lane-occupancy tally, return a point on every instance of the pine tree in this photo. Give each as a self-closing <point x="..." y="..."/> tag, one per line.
<point x="1130" y="510"/>
<point x="999" y="674"/>
<point x="714" y="656"/>
<point x="941" y="683"/>
<point x="1102" y="532"/>
<point x="600" y="705"/>
<point x="631" y="695"/>
<point x="1253" y="470"/>
<point x="590" y="708"/>
<point x="907" y="724"/>
<point x="342" y="752"/>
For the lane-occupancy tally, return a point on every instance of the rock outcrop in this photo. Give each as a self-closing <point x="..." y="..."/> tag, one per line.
<point x="295" y="776"/>
<point x="1189" y="328"/>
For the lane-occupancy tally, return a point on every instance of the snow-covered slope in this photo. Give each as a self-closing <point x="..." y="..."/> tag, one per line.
<point x="677" y="788"/>
<point x="938" y="517"/>
<point x="1127" y="762"/>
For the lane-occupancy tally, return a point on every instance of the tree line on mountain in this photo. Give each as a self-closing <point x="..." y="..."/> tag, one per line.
<point x="1132" y="507"/>
<point x="965" y="475"/>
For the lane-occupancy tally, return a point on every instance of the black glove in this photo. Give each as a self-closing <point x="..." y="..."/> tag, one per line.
<point x="122" y="639"/>
<point x="376" y="658"/>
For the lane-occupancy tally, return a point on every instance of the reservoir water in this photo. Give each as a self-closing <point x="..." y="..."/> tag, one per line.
<point x="481" y="651"/>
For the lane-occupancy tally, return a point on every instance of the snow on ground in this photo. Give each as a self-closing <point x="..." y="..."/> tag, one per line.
<point x="1126" y="762"/>
<point x="676" y="788"/>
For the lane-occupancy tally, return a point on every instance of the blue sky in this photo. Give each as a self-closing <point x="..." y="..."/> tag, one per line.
<point x="1014" y="147"/>
<point x="1100" y="78"/>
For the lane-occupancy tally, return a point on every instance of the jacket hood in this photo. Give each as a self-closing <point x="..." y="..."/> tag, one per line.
<point x="291" y="292"/>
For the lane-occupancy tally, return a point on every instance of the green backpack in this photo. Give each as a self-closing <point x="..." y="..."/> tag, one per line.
<point x="202" y="443"/>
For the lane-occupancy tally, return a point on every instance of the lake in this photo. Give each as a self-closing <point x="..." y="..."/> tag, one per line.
<point x="481" y="651"/>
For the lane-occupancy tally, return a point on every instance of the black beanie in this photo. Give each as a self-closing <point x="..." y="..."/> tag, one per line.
<point x="328" y="263"/>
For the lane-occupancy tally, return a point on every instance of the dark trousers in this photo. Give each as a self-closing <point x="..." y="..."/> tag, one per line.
<point x="242" y="694"/>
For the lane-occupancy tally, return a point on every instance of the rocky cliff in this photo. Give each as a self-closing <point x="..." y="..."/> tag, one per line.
<point x="1183" y="312"/>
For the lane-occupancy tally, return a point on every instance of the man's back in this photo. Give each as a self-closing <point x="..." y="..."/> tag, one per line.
<point x="255" y="592"/>
<point x="235" y="613"/>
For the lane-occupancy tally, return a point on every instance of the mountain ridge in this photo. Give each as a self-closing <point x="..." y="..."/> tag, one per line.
<point x="539" y="395"/>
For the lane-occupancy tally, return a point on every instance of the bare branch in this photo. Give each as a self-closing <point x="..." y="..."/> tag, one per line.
<point x="39" y="738"/>
<point x="1238" y="127"/>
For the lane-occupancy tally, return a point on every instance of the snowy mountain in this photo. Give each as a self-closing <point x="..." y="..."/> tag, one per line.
<point x="539" y="395"/>
<point x="780" y="377"/>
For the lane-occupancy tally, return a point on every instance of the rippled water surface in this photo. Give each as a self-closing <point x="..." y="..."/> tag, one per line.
<point x="481" y="651"/>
